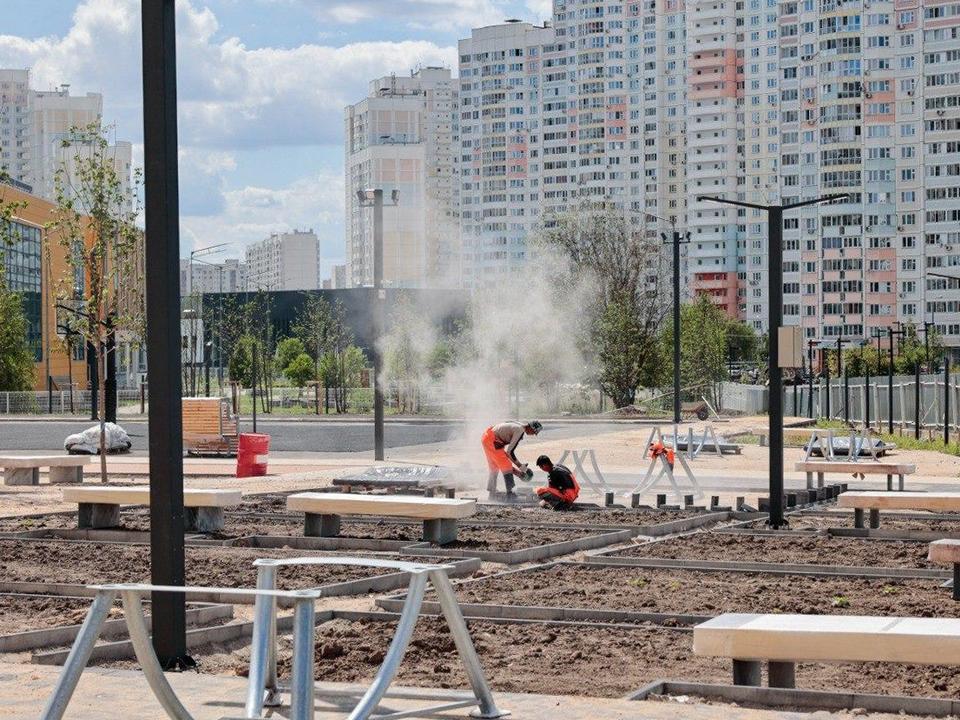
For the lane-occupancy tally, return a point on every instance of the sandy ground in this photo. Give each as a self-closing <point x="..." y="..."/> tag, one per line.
<point x="618" y="448"/>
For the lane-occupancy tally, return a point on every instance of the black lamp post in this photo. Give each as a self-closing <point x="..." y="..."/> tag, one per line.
<point x="162" y="214"/>
<point x="775" y="321"/>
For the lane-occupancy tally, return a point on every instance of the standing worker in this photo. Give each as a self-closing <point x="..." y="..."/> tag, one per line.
<point x="562" y="489"/>
<point x="499" y="445"/>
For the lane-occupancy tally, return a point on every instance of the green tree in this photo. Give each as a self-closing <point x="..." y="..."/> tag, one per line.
<point x="300" y="370"/>
<point x="704" y="343"/>
<point x="240" y="368"/>
<point x="621" y="321"/>
<point x="288" y="350"/>
<point x="16" y="359"/>
<point x="322" y="327"/>
<point x="95" y="223"/>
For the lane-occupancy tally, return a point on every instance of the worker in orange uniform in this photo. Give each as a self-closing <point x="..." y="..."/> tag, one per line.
<point x="499" y="445"/>
<point x="561" y="490"/>
<point x="658" y="449"/>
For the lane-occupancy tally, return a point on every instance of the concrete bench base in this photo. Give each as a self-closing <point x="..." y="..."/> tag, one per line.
<point x="21" y="476"/>
<point x="779" y="674"/>
<point x="66" y="475"/>
<point x="439" y="532"/>
<point x="203" y="519"/>
<point x="98" y="515"/>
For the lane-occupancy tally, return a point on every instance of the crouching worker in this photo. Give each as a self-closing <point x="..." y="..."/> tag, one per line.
<point x="562" y="488"/>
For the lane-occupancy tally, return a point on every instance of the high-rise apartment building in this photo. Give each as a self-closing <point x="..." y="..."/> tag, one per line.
<point x="34" y="125"/>
<point x="400" y="138"/>
<point x="15" y="124"/>
<point x="284" y="261"/>
<point x="228" y="276"/>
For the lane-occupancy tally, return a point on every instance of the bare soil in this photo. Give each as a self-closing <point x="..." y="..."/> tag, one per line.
<point x="20" y="613"/>
<point x="813" y="550"/>
<point x="709" y="593"/>
<point x="888" y="521"/>
<point x="469" y="537"/>
<point x="559" y="659"/>
<point x="91" y="563"/>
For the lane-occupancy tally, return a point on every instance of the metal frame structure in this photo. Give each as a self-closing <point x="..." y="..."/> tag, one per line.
<point x="264" y="688"/>
<point x="132" y="596"/>
<point x="650" y="481"/>
<point x="597" y="482"/>
<point x="774" y="322"/>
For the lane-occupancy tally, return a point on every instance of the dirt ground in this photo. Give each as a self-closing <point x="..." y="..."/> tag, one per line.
<point x="20" y="613"/>
<point x="813" y="550"/>
<point x="91" y="563"/>
<point x="561" y="659"/>
<point x="709" y="593"/>
<point x="888" y="521"/>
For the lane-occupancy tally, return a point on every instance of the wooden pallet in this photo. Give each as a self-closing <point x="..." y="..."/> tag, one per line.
<point x="209" y="427"/>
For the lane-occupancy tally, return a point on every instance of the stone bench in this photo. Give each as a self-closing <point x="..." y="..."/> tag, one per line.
<point x="324" y="510"/>
<point x="875" y="501"/>
<point x="25" y="469"/>
<point x="947" y="552"/>
<point x="866" y="467"/>
<point x="100" y="506"/>
<point x="784" y="640"/>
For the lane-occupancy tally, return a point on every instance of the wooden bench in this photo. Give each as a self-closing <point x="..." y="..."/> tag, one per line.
<point x="100" y="506"/>
<point x="25" y="469"/>
<point x="784" y="640"/>
<point x="209" y="426"/>
<point x="947" y="552"/>
<point x="323" y="512"/>
<point x="866" y="467"/>
<point x="875" y="501"/>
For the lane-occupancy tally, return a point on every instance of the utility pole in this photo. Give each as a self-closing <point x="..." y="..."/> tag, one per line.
<point x="162" y="214"/>
<point x="774" y="322"/>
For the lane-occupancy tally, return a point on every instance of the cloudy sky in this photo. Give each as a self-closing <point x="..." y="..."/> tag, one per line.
<point x="262" y="87"/>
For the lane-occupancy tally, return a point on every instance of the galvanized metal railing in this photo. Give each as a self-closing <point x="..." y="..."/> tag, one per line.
<point x="132" y="596"/>
<point x="264" y="688"/>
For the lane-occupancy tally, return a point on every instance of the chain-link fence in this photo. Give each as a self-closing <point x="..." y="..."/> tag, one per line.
<point x="62" y="402"/>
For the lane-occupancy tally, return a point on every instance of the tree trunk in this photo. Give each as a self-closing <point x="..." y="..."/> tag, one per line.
<point x="101" y="407"/>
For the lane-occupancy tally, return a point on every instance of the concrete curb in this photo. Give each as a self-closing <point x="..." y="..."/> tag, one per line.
<point x="807" y="699"/>
<point x="66" y="634"/>
<point x="298" y="542"/>
<point x="526" y="555"/>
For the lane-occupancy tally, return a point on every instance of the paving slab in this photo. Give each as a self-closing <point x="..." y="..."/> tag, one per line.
<point x="25" y="688"/>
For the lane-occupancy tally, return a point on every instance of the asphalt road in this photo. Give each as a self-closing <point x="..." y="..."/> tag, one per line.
<point x="286" y="436"/>
<point x="327" y="436"/>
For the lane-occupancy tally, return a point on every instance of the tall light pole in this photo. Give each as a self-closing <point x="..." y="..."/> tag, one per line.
<point x="775" y="320"/>
<point x="162" y="213"/>
<point x="678" y="239"/>
<point x="374" y="198"/>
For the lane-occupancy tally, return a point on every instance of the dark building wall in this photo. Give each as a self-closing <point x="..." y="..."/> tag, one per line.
<point x="441" y="308"/>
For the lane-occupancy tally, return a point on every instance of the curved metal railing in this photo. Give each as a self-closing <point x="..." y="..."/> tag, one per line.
<point x="263" y="687"/>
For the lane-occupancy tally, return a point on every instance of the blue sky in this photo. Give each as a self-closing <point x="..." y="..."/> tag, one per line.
<point x="262" y="88"/>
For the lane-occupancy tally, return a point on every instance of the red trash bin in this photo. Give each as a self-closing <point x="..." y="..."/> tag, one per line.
<point x="251" y="447"/>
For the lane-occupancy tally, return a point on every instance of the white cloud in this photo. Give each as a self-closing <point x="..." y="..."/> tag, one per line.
<point x="251" y="213"/>
<point x="443" y="15"/>
<point x="540" y="9"/>
<point x="230" y="95"/>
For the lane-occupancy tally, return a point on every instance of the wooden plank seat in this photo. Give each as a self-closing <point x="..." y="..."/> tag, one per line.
<point x="25" y="469"/>
<point x="875" y="501"/>
<point x="324" y="510"/>
<point x="784" y="640"/>
<point x="947" y="552"/>
<point x="865" y="467"/>
<point x="100" y="507"/>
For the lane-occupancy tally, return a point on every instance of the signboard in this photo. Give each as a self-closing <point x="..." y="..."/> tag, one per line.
<point x="790" y="346"/>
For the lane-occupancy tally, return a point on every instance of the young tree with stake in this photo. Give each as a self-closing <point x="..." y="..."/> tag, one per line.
<point x="94" y="222"/>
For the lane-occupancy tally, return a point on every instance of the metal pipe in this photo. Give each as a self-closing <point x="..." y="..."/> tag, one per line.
<point x="810" y="379"/>
<point x="946" y="400"/>
<point x="916" y="402"/>
<point x="79" y="655"/>
<point x="468" y="653"/>
<point x="301" y="684"/>
<point x="162" y="213"/>
<point x="890" y="385"/>
<point x="257" y="684"/>
<point x="391" y="663"/>
<point x="149" y="664"/>
<point x="826" y="355"/>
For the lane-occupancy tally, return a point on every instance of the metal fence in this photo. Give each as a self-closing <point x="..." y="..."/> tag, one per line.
<point x="61" y="402"/>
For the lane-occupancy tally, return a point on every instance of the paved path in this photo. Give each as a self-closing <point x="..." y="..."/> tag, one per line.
<point x="25" y="688"/>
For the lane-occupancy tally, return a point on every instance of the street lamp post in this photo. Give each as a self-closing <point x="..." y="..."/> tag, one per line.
<point x="890" y="333"/>
<point x="162" y="214"/>
<point x="374" y="198"/>
<point x="775" y="320"/>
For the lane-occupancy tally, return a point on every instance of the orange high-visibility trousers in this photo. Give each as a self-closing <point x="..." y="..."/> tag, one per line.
<point x="497" y="458"/>
<point x="569" y="495"/>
